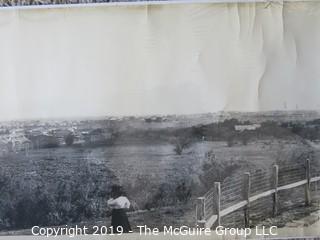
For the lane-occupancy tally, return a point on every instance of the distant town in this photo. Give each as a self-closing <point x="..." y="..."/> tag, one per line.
<point x="22" y="136"/>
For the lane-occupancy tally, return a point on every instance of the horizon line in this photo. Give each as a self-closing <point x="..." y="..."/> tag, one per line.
<point x="101" y="117"/>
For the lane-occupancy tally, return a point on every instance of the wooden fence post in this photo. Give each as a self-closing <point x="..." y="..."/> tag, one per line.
<point x="275" y="188"/>
<point x="307" y="186"/>
<point x="246" y="194"/>
<point x="200" y="211"/>
<point x="216" y="204"/>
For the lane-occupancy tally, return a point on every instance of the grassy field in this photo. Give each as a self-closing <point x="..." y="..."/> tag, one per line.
<point x="147" y="171"/>
<point x="127" y="164"/>
<point x="163" y="166"/>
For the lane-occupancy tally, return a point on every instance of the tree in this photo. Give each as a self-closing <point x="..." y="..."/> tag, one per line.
<point x="181" y="143"/>
<point x="230" y="140"/>
<point x="245" y="137"/>
<point x="69" y="139"/>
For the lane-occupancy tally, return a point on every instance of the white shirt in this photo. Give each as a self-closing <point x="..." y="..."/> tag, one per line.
<point x="118" y="203"/>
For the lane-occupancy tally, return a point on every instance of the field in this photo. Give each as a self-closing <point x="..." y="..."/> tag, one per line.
<point x="127" y="164"/>
<point x="71" y="183"/>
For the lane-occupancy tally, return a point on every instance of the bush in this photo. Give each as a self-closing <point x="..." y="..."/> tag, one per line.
<point x="170" y="195"/>
<point x="69" y="139"/>
<point x="230" y="141"/>
<point x="181" y="143"/>
<point x="214" y="171"/>
<point x="72" y="201"/>
<point x="183" y="193"/>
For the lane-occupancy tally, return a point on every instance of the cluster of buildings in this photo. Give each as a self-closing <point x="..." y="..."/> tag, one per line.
<point x="14" y="139"/>
<point x="247" y="127"/>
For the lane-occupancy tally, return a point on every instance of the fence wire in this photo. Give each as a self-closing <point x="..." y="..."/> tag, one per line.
<point x="231" y="190"/>
<point x="262" y="180"/>
<point x="291" y="173"/>
<point x="210" y="198"/>
<point x="315" y="168"/>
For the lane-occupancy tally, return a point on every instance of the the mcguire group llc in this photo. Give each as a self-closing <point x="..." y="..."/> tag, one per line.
<point x="198" y="231"/>
<point x="166" y="230"/>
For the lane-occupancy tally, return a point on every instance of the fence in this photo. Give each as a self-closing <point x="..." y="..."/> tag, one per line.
<point x="242" y="192"/>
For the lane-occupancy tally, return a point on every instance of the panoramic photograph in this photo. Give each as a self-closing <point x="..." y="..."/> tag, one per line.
<point x="57" y="172"/>
<point x="152" y="119"/>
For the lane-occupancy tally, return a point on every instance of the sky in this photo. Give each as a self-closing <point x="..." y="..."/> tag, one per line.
<point x="164" y="59"/>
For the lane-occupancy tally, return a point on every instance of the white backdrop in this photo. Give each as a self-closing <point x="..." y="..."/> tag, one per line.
<point x="159" y="59"/>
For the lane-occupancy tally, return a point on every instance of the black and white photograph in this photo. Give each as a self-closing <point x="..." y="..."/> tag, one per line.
<point x="161" y="170"/>
<point x="161" y="119"/>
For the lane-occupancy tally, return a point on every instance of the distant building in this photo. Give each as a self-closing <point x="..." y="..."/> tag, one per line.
<point x="20" y="143"/>
<point x="60" y="135"/>
<point x="249" y="127"/>
<point x="15" y="142"/>
<point x="154" y="119"/>
<point x="44" y="141"/>
<point x="98" y="136"/>
<point x="4" y="131"/>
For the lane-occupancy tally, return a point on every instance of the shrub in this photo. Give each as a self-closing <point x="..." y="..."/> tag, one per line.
<point x="69" y="139"/>
<point x="183" y="193"/>
<point x="181" y="143"/>
<point x="214" y="171"/>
